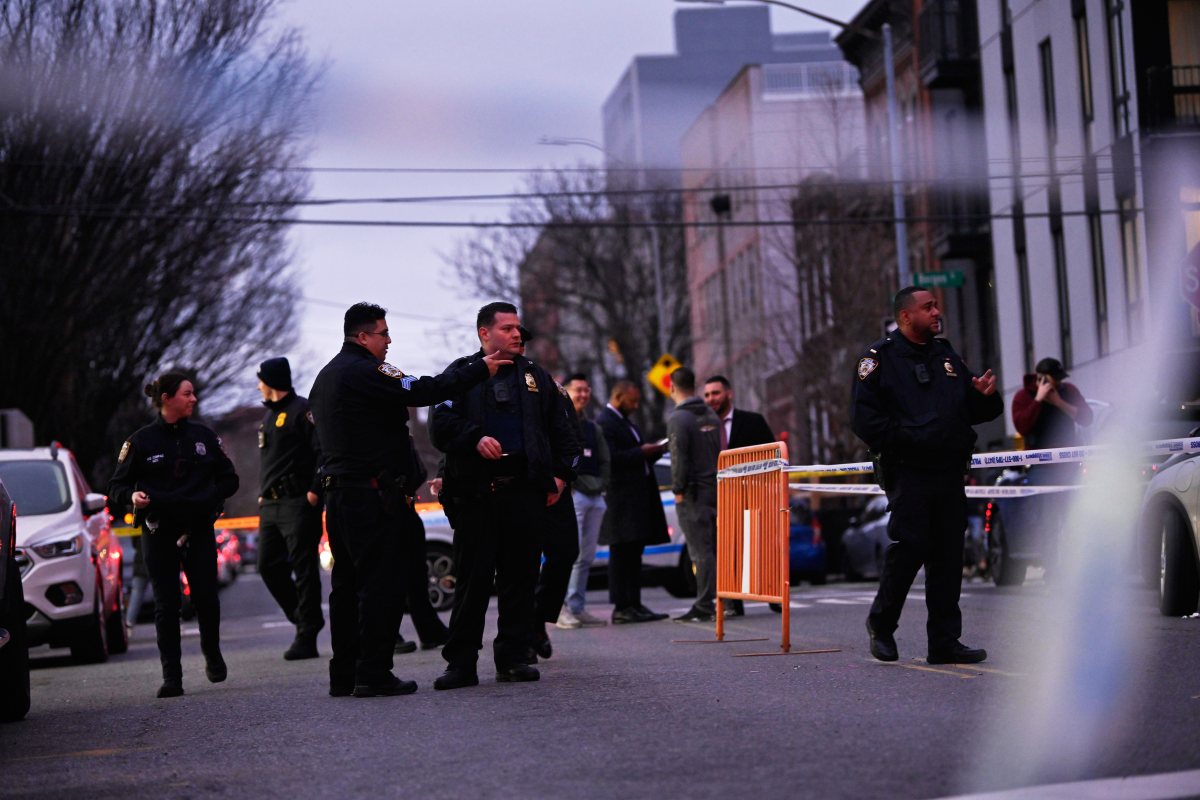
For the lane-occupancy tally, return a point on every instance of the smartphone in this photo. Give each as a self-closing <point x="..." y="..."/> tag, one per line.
<point x="663" y="442"/>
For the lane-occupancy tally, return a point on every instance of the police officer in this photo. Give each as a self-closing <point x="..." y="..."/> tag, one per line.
<point x="510" y="451"/>
<point x="360" y="407"/>
<point x="176" y="476"/>
<point x="290" y="514"/>
<point x="913" y="403"/>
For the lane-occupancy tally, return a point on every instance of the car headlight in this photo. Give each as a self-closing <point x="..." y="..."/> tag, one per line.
<point x="61" y="547"/>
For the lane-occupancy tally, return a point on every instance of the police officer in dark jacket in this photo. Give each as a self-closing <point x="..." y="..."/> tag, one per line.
<point x="510" y="451"/>
<point x="289" y="506"/>
<point x="360" y="406"/>
<point x="913" y="403"/>
<point x="176" y="476"/>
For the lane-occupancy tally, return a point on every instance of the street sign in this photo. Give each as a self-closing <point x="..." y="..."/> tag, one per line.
<point x="1189" y="285"/>
<point x="660" y="374"/>
<point x="948" y="279"/>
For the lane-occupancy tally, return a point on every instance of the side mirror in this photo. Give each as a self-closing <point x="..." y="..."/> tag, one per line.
<point x="94" y="503"/>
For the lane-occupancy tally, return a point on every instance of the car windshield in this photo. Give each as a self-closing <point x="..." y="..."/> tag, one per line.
<point x="37" y="487"/>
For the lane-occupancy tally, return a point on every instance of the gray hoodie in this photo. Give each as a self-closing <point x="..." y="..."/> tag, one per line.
<point x="694" y="429"/>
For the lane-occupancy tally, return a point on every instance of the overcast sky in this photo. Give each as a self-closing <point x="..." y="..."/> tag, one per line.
<point x="450" y="85"/>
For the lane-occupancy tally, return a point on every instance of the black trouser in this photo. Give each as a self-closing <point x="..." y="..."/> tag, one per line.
<point x="289" y="537"/>
<point x="929" y="517"/>
<point x="625" y="575"/>
<point x="430" y="627"/>
<point x="198" y="559"/>
<point x="496" y="540"/>
<point x="698" y="517"/>
<point x="366" y="531"/>
<point x="560" y="548"/>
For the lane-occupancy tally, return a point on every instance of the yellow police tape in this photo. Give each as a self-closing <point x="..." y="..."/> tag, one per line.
<point x="252" y="523"/>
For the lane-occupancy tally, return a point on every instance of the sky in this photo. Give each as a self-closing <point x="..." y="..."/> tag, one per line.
<point x="462" y="84"/>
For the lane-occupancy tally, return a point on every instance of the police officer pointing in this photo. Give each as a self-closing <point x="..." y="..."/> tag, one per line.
<point x="913" y="403"/>
<point x="290" y="526"/>
<point x="360" y="406"/>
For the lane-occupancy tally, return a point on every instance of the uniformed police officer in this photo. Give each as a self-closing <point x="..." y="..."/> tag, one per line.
<point x="360" y="407"/>
<point x="510" y="451"/>
<point x="176" y="476"/>
<point x="289" y="506"/>
<point x="913" y="403"/>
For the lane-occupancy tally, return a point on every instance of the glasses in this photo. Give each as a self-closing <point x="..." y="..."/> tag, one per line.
<point x="382" y="333"/>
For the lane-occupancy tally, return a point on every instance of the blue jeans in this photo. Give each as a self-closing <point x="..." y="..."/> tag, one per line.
<point x="589" y="513"/>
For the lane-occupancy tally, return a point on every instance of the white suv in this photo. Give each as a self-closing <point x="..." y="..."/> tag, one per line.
<point x="70" y="561"/>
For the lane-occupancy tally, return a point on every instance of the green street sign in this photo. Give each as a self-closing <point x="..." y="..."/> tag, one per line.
<point x="950" y="279"/>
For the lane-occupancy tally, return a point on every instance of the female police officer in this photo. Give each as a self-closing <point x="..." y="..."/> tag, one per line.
<point x="176" y="476"/>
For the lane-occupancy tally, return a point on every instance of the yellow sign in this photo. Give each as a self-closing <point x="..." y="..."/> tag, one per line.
<point x="660" y="374"/>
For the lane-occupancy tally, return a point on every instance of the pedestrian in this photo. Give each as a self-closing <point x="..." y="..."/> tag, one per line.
<point x="176" y="476"/>
<point x="289" y="533"/>
<point x="693" y="429"/>
<point x="560" y="545"/>
<point x="587" y="492"/>
<point x="360" y="406"/>
<point x="140" y="587"/>
<point x="739" y="428"/>
<point x="510" y="452"/>
<point x="913" y="402"/>
<point x="635" y="516"/>
<point x="1048" y="412"/>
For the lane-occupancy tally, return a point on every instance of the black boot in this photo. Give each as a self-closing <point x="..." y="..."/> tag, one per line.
<point x="302" y="647"/>
<point x="214" y="666"/>
<point x="172" y="685"/>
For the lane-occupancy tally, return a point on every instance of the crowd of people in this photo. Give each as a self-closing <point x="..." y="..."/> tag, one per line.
<point x="531" y="485"/>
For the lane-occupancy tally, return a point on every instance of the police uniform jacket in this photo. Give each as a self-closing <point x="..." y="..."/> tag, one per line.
<point x="181" y="466"/>
<point x="548" y="433"/>
<point x="360" y="408"/>
<point x="287" y="442"/>
<point x="914" y="404"/>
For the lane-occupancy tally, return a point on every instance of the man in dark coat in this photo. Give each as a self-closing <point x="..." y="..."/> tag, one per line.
<point x="635" y="515"/>
<point x="739" y="428"/>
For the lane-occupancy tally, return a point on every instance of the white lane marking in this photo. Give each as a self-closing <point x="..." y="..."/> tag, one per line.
<point x="1162" y="786"/>
<point x="845" y="601"/>
<point x="282" y="624"/>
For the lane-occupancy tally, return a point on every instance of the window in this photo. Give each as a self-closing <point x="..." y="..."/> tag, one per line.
<point x="1064" y="298"/>
<point x="1083" y="55"/>
<point x="1046" y="57"/>
<point x="1133" y="269"/>
<point x="1099" y="281"/>
<point x="1026" y="310"/>
<point x="1116" y="66"/>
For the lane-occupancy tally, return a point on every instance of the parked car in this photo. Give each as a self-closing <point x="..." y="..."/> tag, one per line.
<point x="69" y="559"/>
<point x="1169" y="533"/>
<point x="14" y="643"/>
<point x="865" y="541"/>
<point x="806" y="545"/>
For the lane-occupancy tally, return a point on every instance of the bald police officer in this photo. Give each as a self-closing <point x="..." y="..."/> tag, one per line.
<point x="360" y="405"/>
<point x="913" y="403"/>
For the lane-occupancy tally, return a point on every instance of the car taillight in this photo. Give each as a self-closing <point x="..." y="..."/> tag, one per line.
<point x="987" y="517"/>
<point x="816" y="529"/>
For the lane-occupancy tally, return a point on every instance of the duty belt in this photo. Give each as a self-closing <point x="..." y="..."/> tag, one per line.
<point x="351" y="482"/>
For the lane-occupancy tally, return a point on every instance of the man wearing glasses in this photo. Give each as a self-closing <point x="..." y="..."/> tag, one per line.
<point x="360" y="408"/>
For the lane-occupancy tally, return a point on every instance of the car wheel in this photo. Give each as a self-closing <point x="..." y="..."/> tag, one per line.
<point x="89" y="645"/>
<point x="682" y="581"/>
<point x="1178" y="583"/>
<point x="114" y="623"/>
<point x="14" y="656"/>
<point x="1005" y="570"/>
<point x="439" y="566"/>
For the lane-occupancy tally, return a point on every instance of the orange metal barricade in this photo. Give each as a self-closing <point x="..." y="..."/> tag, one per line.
<point x="753" y="523"/>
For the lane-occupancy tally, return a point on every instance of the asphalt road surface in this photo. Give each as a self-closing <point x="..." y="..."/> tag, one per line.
<point x="620" y="712"/>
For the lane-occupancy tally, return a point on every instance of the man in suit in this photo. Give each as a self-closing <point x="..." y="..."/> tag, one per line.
<point x="635" y="515"/>
<point x="738" y="428"/>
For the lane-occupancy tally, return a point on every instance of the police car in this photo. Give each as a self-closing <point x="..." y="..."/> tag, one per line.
<point x="67" y="555"/>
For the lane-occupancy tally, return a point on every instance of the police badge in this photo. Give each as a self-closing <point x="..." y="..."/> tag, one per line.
<point x="865" y="367"/>
<point x="201" y="450"/>
<point x="950" y="373"/>
<point x="530" y="382"/>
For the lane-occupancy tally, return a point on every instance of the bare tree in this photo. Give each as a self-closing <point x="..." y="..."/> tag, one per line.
<point x="584" y="266"/>
<point x="146" y="173"/>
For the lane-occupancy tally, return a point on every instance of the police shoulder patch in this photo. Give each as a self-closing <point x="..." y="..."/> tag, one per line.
<point x="562" y="390"/>
<point x="865" y="367"/>
<point x="124" y="452"/>
<point x="390" y="371"/>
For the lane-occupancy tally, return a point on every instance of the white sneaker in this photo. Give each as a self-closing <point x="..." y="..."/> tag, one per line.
<point x="567" y="620"/>
<point x="590" y="621"/>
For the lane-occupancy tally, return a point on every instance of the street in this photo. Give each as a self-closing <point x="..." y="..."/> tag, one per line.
<point x="619" y="712"/>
